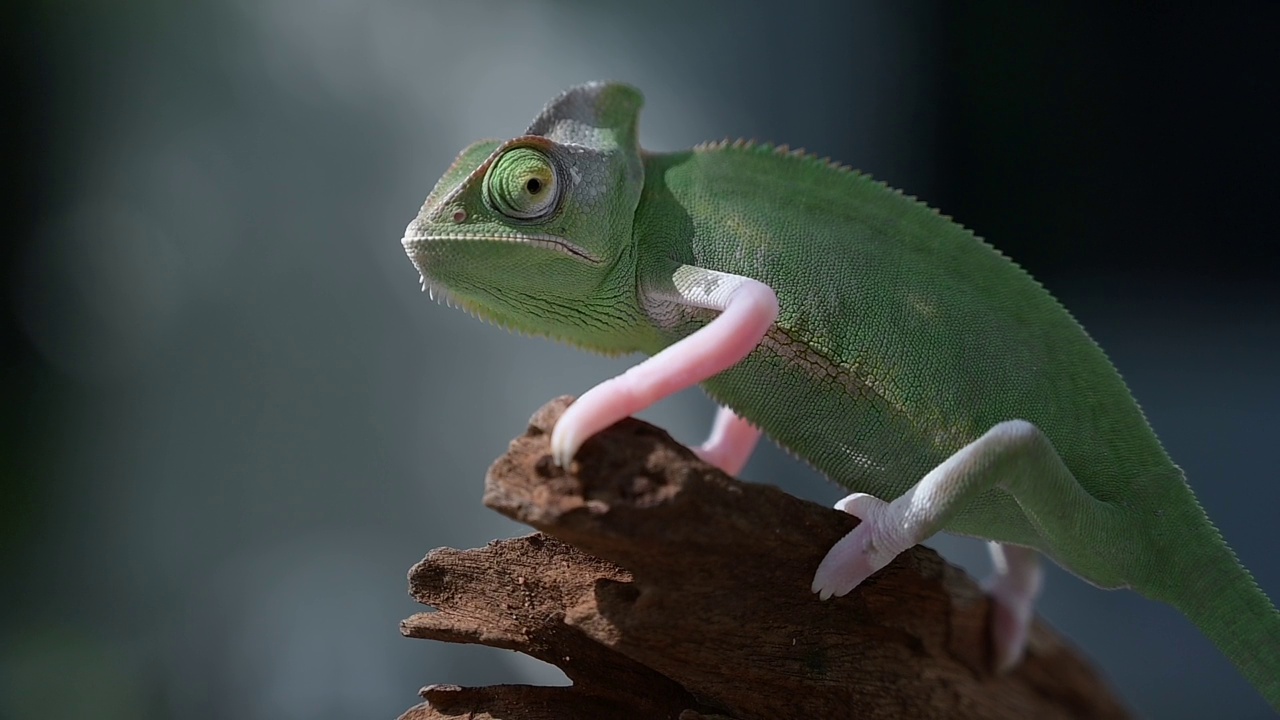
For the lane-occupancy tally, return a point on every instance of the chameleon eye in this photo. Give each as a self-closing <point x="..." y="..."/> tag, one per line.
<point x="522" y="184"/>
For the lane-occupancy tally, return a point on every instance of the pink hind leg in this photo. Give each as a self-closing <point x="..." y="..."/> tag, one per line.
<point x="1013" y="586"/>
<point x="1018" y="458"/>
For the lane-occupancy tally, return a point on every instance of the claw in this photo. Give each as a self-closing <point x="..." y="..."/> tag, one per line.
<point x="859" y="554"/>
<point x="846" y="565"/>
<point x="564" y="444"/>
<point x="1010" y="623"/>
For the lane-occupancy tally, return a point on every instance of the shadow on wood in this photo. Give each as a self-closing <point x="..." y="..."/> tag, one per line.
<point x="666" y="589"/>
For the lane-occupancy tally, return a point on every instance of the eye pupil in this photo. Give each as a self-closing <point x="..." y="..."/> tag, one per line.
<point x="523" y="184"/>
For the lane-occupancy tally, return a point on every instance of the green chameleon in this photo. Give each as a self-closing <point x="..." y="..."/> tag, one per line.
<point x="884" y="344"/>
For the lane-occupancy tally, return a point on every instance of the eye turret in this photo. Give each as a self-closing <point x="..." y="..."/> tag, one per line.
<point x="523" y="184"/>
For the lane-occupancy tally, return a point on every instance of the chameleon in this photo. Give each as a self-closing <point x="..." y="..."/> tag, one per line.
<point x="866" y="333"/>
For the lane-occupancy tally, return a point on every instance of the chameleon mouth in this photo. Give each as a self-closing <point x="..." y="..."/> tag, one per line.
<point x="418" y="245"/>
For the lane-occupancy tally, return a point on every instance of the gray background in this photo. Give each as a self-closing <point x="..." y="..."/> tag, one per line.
<point x="232" y="422"/>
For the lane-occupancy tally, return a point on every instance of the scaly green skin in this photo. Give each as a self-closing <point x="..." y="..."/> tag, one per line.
<point x="897" y="326"/>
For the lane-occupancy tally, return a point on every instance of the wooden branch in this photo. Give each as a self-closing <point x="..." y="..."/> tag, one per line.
<point x="666" y="589"/>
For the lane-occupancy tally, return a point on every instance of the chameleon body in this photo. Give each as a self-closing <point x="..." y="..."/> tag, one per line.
<point x="871" y="336"/>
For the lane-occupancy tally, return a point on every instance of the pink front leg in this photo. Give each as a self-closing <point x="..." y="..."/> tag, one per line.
<point x="749" y="308"/>
<point x="731" y="441"/>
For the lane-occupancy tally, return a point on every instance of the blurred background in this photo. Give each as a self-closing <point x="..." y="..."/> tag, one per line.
<point x="231" y="422"/>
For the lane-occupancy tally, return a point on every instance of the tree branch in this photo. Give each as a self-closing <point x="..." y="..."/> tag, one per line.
<point x="666" y="589"/>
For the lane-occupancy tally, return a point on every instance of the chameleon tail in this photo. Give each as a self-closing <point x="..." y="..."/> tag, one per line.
<point x="1219" y="595"/>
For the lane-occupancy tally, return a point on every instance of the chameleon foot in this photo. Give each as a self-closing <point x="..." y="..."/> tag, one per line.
<point x="862" y="552"/>
<point x="1013" y="588"/>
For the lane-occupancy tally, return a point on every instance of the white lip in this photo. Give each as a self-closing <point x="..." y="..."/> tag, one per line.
<point x="414" y="242"/>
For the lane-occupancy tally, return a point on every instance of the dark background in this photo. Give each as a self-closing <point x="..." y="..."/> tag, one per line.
<point x="230" y="423"/>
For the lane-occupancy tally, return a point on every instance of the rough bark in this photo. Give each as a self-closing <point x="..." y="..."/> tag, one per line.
<point x="666" y="589"/>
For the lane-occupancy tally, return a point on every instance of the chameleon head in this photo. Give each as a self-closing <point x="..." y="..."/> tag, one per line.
<point x="535" y="233"/>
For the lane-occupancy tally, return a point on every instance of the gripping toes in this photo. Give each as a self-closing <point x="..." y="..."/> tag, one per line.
<point x="1013" y="588"/>
<point x="865" y="550"/>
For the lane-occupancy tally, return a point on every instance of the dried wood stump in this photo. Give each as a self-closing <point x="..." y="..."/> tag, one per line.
<point x="666" y="589"/>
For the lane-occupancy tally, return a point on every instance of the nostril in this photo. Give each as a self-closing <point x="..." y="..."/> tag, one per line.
<point x="459" y="215"/>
